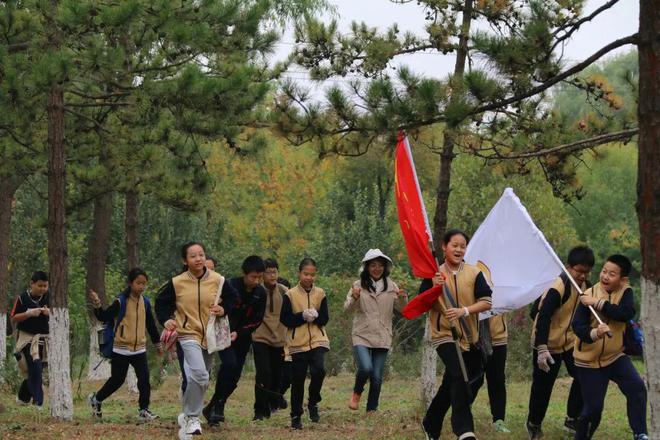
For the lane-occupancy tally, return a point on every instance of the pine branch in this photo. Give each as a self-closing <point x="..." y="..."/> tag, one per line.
<point x="632" y="39"/>
<point x="619" y="136"/>
<point x="575" y="26"/>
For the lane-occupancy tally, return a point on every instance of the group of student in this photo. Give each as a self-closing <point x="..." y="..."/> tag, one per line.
<point x="285" y="328"/>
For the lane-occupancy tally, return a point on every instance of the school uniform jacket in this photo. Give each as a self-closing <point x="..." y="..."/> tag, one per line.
<point x="303" y="336"/>
<point x="467" y="287"/>
<point x="188" y="299"/>
<point x="131" y="333"/>
<point x="35" y="324"/>
<point x="248" y="310"/>
<point x="615" y="309"/>
<point x="271" y="331"/>
<point x="372" y="323"/>
<point x="552" y="326"/>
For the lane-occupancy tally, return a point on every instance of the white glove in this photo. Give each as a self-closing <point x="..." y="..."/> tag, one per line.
<point x="33" y="312"/>
<point x="309" y="315"/>
<point x="544" y="360"/>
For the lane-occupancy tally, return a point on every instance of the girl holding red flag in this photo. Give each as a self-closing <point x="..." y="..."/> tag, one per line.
<point x="470" y="295"/>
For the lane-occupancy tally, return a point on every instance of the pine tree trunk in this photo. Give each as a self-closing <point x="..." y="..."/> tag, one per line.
<point x="648" y="197"/>
<point x="131" y="226"/>
<point x="97" y="255"/>
<point x="8" y="188"/>
<point x="3" y="341"/>
<point x="61" y="401"/>
<point x="429" y="356"/>
<point x="429" y="366"/>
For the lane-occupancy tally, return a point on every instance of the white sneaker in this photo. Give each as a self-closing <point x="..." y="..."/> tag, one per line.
<point x="193" y="426"/>
<point x="183" y="435"/>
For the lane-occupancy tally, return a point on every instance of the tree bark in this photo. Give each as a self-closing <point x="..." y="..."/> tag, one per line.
<point x="429" y="356"/>
<point x="8" y="187"/>
<point x="648" y="196"/>
<point x="97" y="256"/>
<point x="131" y="226"/>
<point x="61" y="401"/>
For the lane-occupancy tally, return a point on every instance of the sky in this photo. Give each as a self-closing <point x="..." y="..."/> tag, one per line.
<point x="619" y="21"/>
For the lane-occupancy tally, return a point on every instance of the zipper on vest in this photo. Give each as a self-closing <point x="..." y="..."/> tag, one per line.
<point x="572" y="316"/>
<point x="199" y="308"/>
<point x="309" y="324"/>
<point x="458" y="305"/>
<point x="137" y="324"/>
<point x="270" y="296"/>
<point x="609" y="298"/>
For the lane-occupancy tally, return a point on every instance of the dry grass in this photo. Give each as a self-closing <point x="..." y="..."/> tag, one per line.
<point x="398" y="418"/>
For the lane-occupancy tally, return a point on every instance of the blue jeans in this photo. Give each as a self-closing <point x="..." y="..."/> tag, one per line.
<point x="371" y="365"/>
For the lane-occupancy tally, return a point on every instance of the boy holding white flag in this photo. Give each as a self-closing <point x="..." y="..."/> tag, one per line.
<point x="553" y="341"/>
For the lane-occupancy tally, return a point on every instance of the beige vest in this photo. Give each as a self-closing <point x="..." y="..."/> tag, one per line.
<point x="560" y="337"/>
<point x="271" y="331"/>
<point x="194" y="299"/>
<point x="309" y="335"/>
<point x="605" y="351"/>
<point x="131" y="333"/>
<point x="463" y="283"/>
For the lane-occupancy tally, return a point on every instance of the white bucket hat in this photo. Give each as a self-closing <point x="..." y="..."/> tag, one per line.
<point x="372" y="254"/>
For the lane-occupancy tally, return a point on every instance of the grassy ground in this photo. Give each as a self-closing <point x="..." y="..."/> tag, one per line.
<point x="399" y="416"/>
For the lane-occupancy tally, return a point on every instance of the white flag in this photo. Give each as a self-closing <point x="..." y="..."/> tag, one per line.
<point x="514" y="253"/>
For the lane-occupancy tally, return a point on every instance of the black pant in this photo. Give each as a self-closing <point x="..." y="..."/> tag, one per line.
<point x="542" y="384"/>
<point x="453" y="392"/>
<point x="34" y="375"/>
<point x="496" y="380"/>
<point x="594" y="381"/>
<point x="232" y="361"/>
<point x="301" y="362"/>
<point x="118" y="369"/>
<point x="285" y="379"/>
<point x="268" y="362"/>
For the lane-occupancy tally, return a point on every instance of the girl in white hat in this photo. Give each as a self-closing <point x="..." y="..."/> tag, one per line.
<point x="373" y="298"/>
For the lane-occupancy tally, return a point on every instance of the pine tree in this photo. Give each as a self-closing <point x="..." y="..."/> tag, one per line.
<point x="497" y="109"/>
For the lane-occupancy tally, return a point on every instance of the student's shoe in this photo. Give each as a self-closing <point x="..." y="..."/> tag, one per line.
<point x="534" y="431"/>
<point x="570" y="425"/>
<point x="314" y="413"/>
<point x="193" y="425"/>
<point x="146" y="416"/>
<point x="214" y="413"/>
<point x="467" y="436"/>
<point x="354" y="402"/>
<point x="258" y="417"/>
<point x="427" y="433"/>
<point x="22" y="402"/>
<point x="181" y="420"/>
<point x="96" y="406"/>
<point x="641" y="437"/>
<point x="296" y="422"/>
<point x="499" y="426"/>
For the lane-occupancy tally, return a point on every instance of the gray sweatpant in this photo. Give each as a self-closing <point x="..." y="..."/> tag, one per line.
<point x="197" y="365"/>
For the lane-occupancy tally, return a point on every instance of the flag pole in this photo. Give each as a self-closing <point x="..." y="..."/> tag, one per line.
<point x="574" y="283"/>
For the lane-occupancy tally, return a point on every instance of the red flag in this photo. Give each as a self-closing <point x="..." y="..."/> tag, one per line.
<point x="412" y="214"/>
<point x="422" y="303"/>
